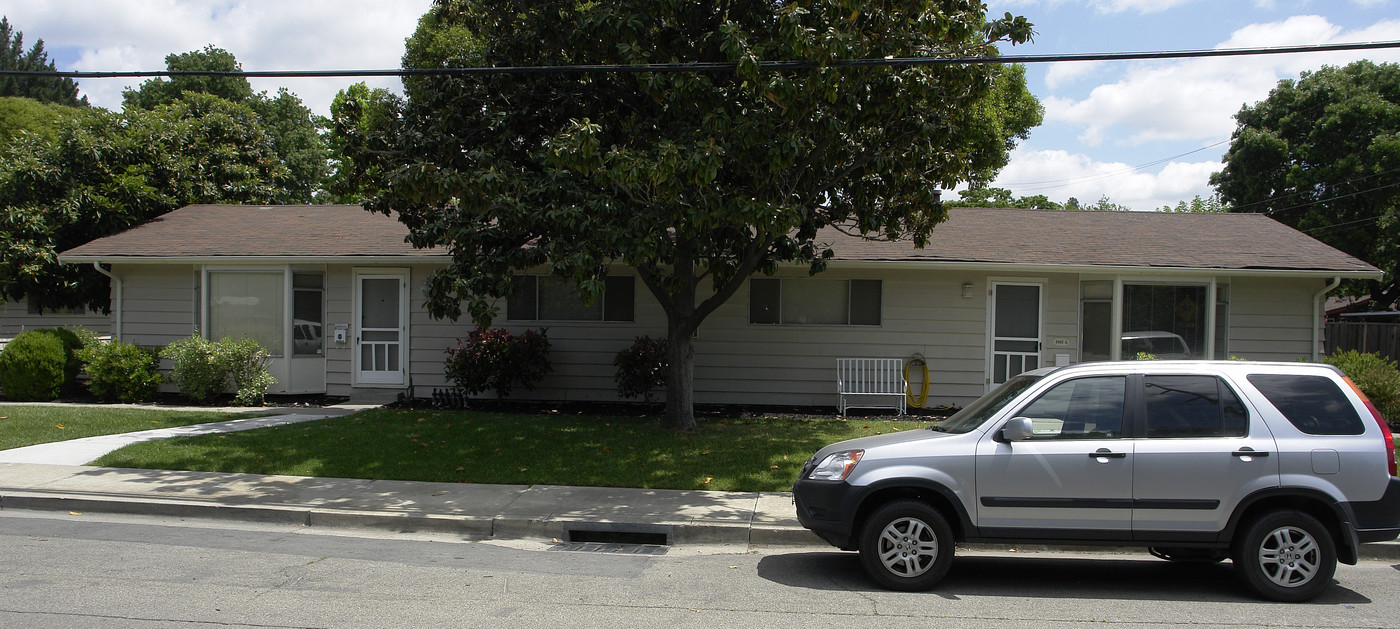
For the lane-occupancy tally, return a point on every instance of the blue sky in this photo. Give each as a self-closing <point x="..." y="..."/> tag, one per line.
<point x="1149" y="133"/>
<point x="1143" y="133"/>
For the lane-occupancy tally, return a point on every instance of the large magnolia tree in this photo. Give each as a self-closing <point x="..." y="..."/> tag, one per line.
<point x="1322" y="154"/>
<point x="696" y="179"/>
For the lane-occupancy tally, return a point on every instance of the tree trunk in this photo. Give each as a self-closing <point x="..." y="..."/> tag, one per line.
<point x="680" y="376"/>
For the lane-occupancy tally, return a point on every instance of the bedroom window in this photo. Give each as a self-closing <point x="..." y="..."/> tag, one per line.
<point x="546" y="298"/>
<point x="805" y="301"/>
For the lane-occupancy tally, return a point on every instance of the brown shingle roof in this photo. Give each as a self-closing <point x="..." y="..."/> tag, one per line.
<point x="298" y="231"/>
<point x="1133" y="239"/>
<point x="969" y="236"/>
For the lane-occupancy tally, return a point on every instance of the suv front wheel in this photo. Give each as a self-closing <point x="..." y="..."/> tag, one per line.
<point x="1286" y="556"/>
<point x="906" y="545"/>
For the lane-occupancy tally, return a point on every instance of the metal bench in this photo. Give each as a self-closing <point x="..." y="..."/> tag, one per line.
<point x="870" y="383"/>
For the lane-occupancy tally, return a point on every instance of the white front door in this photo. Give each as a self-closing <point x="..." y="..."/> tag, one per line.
<point x="1015" y="331"/>
<point x="381" y="327"/>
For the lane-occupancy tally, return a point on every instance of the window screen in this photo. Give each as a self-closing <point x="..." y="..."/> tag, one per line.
<point x="541" y="297"/>
<point x="815" y="301"/>
<point x="1193" y="406"/>
<point x="1314" y="404"/>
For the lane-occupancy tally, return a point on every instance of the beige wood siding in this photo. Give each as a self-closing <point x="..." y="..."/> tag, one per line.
<point x="737" y="362"/>
<point x="1272" y="319"/>
<point x="15" y="318"/>
<point x="158" y="303"/>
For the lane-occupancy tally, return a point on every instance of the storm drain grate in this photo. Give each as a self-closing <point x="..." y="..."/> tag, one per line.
<point x="612" y="548"/>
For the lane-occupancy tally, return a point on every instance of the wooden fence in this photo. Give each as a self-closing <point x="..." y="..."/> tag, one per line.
<point x="1383" y="338"/>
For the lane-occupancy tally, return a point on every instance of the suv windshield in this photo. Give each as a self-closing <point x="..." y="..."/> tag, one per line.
<point x="974" y="414"/>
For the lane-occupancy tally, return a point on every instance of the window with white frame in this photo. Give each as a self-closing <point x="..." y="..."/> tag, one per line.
<point x="247" y="304"/>
<point x="810" y="301"/>
<point x="1163" y="319"/>
<point x="547" y="298"/>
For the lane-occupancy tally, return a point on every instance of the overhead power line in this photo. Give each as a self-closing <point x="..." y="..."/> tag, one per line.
<point x="721" y="66"/>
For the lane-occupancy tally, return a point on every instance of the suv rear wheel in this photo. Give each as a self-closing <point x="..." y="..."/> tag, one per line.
<point x="1286" y="556"/>
<point x="906" y="545"/>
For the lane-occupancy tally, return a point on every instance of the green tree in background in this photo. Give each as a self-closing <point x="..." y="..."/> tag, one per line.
<point x="360" y="125"/>
<point x="294" y="130"/>
<point x="13" y="56"/>
<point x="1322" y="154"/>
<point x="107" y="172"/>
<point x="1197" y="204"/>
<point x="986" y="196"/>
<point x="19" y="114"/>
<point x="694" y="179"/>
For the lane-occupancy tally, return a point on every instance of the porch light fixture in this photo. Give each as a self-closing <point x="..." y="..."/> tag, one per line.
<point x="967" y="290"/>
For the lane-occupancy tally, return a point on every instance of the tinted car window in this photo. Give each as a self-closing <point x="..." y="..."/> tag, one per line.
<point x="1193" y="406"/>
<point x="1084" y="408"/>
<point x="1314" y="404"/>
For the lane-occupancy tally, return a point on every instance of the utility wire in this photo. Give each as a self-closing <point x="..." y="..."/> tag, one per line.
<point x="719" y="66"/>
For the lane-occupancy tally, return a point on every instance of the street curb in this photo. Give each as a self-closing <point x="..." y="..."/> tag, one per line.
<point x="482" y="528"/>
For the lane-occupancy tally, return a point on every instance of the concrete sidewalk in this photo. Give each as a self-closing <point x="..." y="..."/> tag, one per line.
<point x="476" y="511"/>
<point x="53" y="477"/>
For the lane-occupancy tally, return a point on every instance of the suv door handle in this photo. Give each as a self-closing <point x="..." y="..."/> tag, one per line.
<point x="1248" y="452"/>
<point x="1105" y="453"/>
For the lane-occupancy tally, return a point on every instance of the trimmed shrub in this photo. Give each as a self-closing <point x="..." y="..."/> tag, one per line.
<point x="72" y="365"/>
<point x="33" y="367"/>
<point x="641" y="368"/>
<point x="494" y="359"/>
<point x="205" y="369"/>
<point x="246" y="361"/>
<point x="121" y="372"/>
<point x="1376" y="376"/>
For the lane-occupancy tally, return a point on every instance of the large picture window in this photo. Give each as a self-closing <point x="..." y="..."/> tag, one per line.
<point x="247" y="304"/>
<point x="814" y="301"/>
<point x="546" y="298"/>
<point x="1165" y="320"/>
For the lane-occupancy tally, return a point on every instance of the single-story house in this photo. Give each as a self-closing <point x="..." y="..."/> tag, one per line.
<point x="336" y="293"/>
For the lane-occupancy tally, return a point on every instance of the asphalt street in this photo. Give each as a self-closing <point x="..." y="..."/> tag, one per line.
<point x="89" y="570"/>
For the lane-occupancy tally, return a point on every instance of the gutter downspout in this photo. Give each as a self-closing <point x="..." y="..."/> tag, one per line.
<point x="117" y="311"/>
<point x="1317" y="314"/>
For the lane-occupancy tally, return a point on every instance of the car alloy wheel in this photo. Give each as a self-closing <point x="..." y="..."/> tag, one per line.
<point x="1289" y="556"/>
<point x="906" y="545"/>
<point x="1286" y="556"/>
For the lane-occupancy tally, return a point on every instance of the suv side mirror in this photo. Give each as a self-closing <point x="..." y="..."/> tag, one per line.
<point x="1018" y="429"/>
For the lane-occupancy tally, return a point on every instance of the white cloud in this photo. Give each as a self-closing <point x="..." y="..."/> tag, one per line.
<point x="1141" y="6"/>
<point x="1106" y="7"/>
<point x="1060" y="175"/>
<point x="1068" y="72"/>
<point x="1197" y="98"/>
<point x="262" y="34"/>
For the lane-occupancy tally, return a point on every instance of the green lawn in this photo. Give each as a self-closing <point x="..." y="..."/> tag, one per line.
<point x="478" y="447"/>
<point x="29" y="425"/>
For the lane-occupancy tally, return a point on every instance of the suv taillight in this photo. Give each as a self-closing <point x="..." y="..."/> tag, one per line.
<point x="1385" y="428"/>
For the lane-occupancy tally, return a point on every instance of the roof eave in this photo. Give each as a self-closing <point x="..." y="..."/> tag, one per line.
<point x="337" y="259"/>
<point x="1009" y="267"/>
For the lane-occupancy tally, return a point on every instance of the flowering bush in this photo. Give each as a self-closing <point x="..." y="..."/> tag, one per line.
<point x="641" y="368"/>
<point x="494" y="359"/>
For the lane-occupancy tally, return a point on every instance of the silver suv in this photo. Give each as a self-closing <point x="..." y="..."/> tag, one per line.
<point x="1285" y="468"/>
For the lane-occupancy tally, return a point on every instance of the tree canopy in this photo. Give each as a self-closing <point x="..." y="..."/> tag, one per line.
<point x="19" y="115"/>
<point x="1321" y="154"/>
<point x="694" y="179"/>
<point x="13" y="56"/>
<point x="174" y="144"/>
<point x="294" y="130"/>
